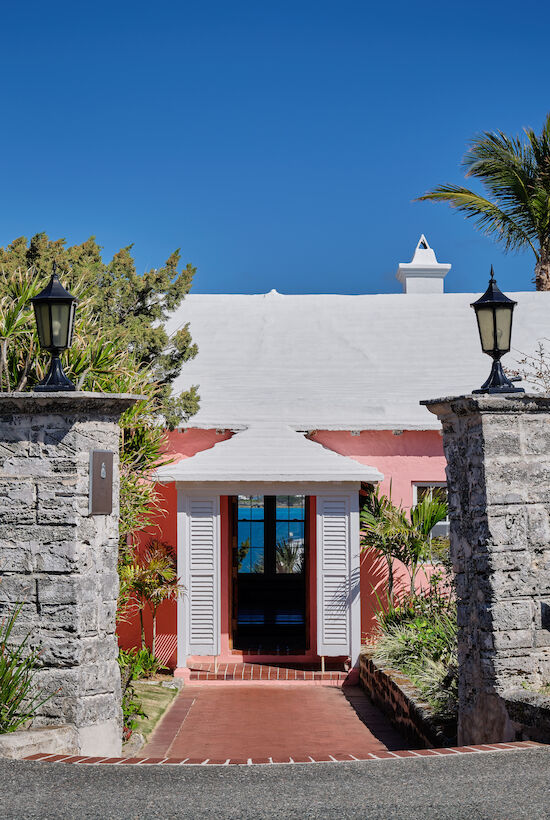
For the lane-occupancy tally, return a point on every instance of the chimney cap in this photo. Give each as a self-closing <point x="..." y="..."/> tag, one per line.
<point x="423" y="274"/>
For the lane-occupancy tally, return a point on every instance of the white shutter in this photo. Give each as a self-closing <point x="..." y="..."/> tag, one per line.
<point x="333" y="576"/>
<point x="202" y="560"/>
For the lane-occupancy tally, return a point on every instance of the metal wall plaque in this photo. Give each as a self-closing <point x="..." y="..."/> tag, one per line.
<point x="101" y="482"/>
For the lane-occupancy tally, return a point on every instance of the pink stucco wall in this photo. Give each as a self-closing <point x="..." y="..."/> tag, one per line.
<point x="404" y="459"/>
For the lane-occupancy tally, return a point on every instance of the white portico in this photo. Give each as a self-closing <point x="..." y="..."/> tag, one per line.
<point x="269" y="463"/>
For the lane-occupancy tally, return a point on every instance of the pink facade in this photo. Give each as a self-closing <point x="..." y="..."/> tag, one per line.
<point x="404" y="459"/>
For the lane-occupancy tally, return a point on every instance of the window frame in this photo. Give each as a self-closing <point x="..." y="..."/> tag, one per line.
<point x="443" y="528"/>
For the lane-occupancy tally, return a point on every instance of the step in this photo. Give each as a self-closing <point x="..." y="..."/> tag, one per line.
<point x="262" y="672"/>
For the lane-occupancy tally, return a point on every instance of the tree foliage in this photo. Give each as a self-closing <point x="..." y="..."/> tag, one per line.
<point x="125" y="308"/>
<point x="148" y="580"/>
<point x="398" y="535"/>
<point x="515" y="173"/>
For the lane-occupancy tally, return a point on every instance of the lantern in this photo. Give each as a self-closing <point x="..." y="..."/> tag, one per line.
<point x="494" y="313"/>
<point x="54" y="310"/>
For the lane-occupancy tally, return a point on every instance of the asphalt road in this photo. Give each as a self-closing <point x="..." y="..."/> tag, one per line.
<point x="507" y="786"/>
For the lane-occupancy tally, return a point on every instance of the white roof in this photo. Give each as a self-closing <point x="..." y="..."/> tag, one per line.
<point x="268" y="452"/>
<point x="339" y="362"/>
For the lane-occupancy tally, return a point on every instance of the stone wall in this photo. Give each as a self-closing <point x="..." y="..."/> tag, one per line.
<point x="498" y="473"/>
<point x="59" y="560"/>
<point x="402" y="703"/>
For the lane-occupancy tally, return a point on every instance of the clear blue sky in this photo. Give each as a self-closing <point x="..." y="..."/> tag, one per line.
<point x="279" y="144"/>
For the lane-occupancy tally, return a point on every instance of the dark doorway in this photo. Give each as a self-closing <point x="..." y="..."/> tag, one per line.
<point x="269" y="573"/>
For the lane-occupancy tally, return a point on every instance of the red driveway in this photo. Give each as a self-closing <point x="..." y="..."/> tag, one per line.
<point x="278" y="722"/>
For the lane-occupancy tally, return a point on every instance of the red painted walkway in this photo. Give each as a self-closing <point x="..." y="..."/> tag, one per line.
<point x="278" y="722"/>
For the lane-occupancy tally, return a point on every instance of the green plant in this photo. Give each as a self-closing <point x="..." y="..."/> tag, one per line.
<point x="148" y="579"/>
<point x="131" y="711"/>
<point x="379" y="532"/>
<point x="137" y="663"/>
<point x="18" y="702"/>
<point x="516" y="175"/>
<point x="396" y="535"/>
<point x="424" y="649"/>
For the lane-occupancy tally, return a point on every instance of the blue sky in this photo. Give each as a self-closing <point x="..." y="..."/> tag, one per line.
<point x="279" y="144"/>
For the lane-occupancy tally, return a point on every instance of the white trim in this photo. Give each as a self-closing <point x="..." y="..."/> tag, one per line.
<point x="355" y="581"/>
<point x="318" y="426"/>
<point x="268" y="487"/>
<point x="183" y="600"/>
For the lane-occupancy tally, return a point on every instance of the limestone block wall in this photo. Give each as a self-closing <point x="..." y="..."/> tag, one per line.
<point x="498" y="471"/>
<point x="59" y="560"/>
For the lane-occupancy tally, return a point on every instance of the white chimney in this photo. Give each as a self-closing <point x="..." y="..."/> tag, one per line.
<point x="424" y="274"/>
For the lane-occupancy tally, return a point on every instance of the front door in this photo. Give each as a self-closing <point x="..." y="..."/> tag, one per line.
<point x="269" y="572"/>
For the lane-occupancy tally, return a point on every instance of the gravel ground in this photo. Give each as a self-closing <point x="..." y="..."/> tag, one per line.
<point x="503" y="785"/>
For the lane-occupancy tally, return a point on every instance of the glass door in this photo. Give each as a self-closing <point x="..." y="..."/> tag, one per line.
<point x="269" y="600"/>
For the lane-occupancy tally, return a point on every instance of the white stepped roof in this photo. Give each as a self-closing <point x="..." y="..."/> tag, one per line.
<point x="340" y="362"/>
<point x="268" y="452"/>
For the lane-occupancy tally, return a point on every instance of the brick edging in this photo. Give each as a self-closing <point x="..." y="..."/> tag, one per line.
<point x="318" y="758"/>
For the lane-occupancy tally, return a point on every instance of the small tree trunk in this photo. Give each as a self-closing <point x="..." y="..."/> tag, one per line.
<point x="142" y="628"/>
<point x="154" y="613"/>
<point x="389" y="562"/>
<point x="542" y="274"/>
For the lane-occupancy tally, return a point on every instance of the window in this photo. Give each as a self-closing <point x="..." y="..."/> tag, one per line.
<point x="438" y="490"/>
<point x="251" y="533"/>
<point x="290" y="514"/>
<point x="270" y="534"/>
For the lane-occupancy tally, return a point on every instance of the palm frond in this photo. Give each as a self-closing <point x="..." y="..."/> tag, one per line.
<point x="491" y="219"/>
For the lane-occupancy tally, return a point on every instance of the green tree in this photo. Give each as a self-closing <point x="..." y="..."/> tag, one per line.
<point x="398" y="535"/>
<point x="123" y="304"/>
<point x="515" y="173"/>
<point x="148" y="580"/>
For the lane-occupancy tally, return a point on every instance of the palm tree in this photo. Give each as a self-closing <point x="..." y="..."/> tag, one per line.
<point x="516" y="176"/>
<point x="399" y="535"/>
<point x="149" y="580"/>
<point x="379" y="519"/>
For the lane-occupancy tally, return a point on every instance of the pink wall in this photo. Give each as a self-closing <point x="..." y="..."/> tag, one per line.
<point x="186" y="443"/>
<point x="411" y="457"/>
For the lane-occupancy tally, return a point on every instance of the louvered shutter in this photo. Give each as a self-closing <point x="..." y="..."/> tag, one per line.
<point x="333" y="576"/>
<point x="203" y="556"/>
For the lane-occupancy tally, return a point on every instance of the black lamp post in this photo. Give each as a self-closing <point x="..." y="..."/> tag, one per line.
<point x="494" y="320"/>
<point x="54" y="309"/>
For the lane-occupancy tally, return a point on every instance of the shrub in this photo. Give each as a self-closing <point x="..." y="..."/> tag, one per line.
<point x="420" y="639"/>
<point x="131" y="711"/>
<point x="18" y="702"/>
<point x="138" y="663"/>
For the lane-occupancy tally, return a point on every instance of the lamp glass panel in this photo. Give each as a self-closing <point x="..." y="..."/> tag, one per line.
<point x="42" y="315"/>
<point x="504" y="327"/>
<point x="60" y="323"/>
<point x="71" y="324"/>
<point x="486" y="328"/>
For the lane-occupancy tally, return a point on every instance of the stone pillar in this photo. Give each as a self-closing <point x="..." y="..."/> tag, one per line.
<point x="498" y="471"/>
<point x="60" y="560"/>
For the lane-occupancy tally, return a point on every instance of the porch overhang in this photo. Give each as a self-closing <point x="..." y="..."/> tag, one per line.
<point x="268" y="454"/>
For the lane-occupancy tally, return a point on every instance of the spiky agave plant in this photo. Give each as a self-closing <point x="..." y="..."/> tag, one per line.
<point x="19" y="700"/>
<point x="516" y="175"/>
